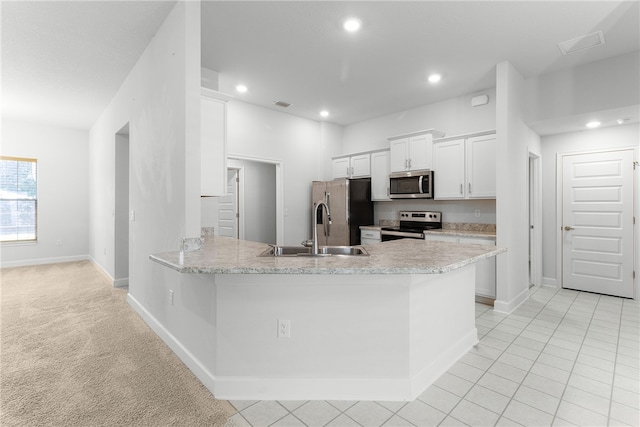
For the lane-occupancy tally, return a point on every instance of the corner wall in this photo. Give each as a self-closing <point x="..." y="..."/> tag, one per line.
<point x="63" y="192"/>
<point x="514" y="139"/>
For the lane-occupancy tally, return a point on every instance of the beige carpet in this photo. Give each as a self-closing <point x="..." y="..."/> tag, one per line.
<point x="74" y="353"/>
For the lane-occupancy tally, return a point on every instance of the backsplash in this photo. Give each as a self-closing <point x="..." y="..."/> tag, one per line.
<point x="453" y="211"/>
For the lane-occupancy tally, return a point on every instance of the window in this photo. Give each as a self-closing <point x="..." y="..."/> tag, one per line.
<point x="18" y="199"/>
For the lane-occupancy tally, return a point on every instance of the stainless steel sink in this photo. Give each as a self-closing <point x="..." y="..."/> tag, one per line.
<point x="289" y="251"/>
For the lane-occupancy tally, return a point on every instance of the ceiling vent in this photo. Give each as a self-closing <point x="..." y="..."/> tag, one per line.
<point x="582" y="42"/>
<point x="282" y="104"/>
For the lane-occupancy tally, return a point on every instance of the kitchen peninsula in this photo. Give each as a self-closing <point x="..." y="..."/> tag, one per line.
<point x="377" y="327"/>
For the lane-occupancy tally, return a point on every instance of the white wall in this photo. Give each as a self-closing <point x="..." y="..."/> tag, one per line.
<point x="514" y="139"/>
<point x="596" y="86"/>
<point x="63" y="191"/>
<point x="160" y="100"/>
<point x="610" y="137"/>
<point x="303" y="146"/>
<point x="453" y="116"/>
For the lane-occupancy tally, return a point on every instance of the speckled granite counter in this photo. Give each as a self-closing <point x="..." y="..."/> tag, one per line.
<point x="223" y="255"/>
<point x="462" y="233"/>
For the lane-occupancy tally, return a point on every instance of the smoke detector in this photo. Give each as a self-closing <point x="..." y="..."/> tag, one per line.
<point x="582" y="42"/>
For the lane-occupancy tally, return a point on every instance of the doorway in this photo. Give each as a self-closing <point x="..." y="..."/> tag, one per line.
<point x="228" y="207"/>
<point x="121" y="209"/>
<point x="597" y="222"/>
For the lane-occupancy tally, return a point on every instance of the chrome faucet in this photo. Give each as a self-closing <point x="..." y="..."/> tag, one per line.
<point x="318" y="204"/>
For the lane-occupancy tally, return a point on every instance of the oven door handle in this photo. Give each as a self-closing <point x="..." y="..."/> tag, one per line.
<point x="402" y="234"/>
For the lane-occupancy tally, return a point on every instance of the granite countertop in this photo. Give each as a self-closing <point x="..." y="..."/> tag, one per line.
<point x="463" y="233"/>
<point x="370" y="227"/>
<point x="224" y="255"/>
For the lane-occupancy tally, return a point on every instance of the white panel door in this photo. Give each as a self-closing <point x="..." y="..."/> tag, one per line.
<point x="228" y="207"/>
<point x="597" y="222"/>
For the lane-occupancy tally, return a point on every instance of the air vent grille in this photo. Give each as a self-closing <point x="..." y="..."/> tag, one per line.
<point x="282" y="104"/>
<point x="582" y="42"/>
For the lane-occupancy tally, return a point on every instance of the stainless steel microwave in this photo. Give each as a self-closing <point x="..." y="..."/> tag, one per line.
<point x="411" y="185"/>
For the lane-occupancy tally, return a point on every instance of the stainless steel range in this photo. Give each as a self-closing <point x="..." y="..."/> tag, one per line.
<point x="412" y="225"/>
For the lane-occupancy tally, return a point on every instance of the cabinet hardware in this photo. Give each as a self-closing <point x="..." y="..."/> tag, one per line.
<point x="469" y="188"/>
<point x="461" y="189"/>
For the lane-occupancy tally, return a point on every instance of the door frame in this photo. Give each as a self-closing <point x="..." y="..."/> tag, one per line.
<point x="559" y="204"/>
<point x="534" y="190"/>
<point x="279" y="192"/>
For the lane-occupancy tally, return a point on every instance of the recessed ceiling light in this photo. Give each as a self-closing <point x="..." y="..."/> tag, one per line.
<point x="592" y="125"/>
<point x="435" y="78"/>
<point x="241" y="88"/>
<point x="352" y="25"/>
<point x="624" y="120"/>
<point x="324" y="113"/>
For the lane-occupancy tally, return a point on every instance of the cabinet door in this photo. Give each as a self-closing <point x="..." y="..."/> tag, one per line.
<point x="398" y="160"/>
<point x="340" y="168"/>
<point x="380" y="176"/>
<point x="449" y="166"/>
<point x="485" y="269"/>
<point x="360" y="166"/>
<point x="420" y="152"/>
<point x="481" y="167"/>
<point x="213" y="150"/>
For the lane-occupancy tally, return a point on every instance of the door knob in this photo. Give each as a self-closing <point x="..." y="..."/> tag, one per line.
<point x="567" y="228"/>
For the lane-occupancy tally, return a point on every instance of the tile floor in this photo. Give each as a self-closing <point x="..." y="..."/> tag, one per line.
<point x="563" y="358"/>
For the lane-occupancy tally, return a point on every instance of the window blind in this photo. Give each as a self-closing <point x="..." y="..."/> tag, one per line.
<point x="18" y="199"/>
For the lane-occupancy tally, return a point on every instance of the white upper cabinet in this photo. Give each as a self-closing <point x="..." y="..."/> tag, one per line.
<point x="465" y="167"/>
<point x="380" y="176"/>
<point x="412" y="151"/>
<point x="356" y="166"/>
<point x="213" y="143"/>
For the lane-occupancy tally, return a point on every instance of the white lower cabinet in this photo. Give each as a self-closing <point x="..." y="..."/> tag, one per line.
<point x="485" y="269"/>
<point x="370" y="237"/>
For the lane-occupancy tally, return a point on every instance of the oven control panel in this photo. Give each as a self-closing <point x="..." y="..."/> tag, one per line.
<point x="420" y="216"/>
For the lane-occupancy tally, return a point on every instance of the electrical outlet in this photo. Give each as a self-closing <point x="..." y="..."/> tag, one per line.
<point x="171" y="296"/>
<point x="58" y="242"/>
<point x="284" y="328"/>
<point x="477" y="213"/>
<point x="132" y="216"/>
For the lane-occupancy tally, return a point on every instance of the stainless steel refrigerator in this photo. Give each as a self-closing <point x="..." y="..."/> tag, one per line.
<point x="350" y="205"/>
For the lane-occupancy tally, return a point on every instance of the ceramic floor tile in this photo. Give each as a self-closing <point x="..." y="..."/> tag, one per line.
<point x="592" y="386"/>
<point x="440" y="399"/>
<point x="264" y="413"/>
<point x="316" y="413"/>
<point x="498" y="384"/>
<point x="488" y="399"/>
<point x="454" y="384"/>
<point x="392" y="406"/>
<point x="627" y="360"/>
<point x="292" y="405"/>
<point x="561" y="352"/>
<point x="342" y="405"/>
<point x="587" y="400"/>
<point x="506" y="422"/>
<point x="626" y="383"/>
<point x="609" y="356"/>
<point x="242" y="404"/>
<point x="544" y="385"/>
<point x="369" y="414"/>
<point x="627" y="351"/>
<point x="529" y="343"/>
<point x="343" y="421"/>
<point x="451" y="422"/>
<point x="521" y="351"/>
<point x="579" y="415"/>
<point x="486" y="351"/>
<point x="527" y="415"/>
<point x="290" y="421"/>
<point x="626" y="397"/>
<point x="513" y="330"/>
<point x="238" y="420"/>
<point x="516" y="361"/>
<point x="592" y="342"/>
<point x="567" y="345"/>
<point x="550" y="372"/>
<point x="494" y="343"/>
<point x="593" y="373"/>
<point x="421" y="414"/>
<point x="507" y="371"/>
<point x="559" y="422"/>
<point x="535" y="336"/>
<point x="595" y="362"/>
<point x="537" y="399"/>
<point x="556" y="362"/>
<point x="629" y="372"/>
<point x="477" y="361"/>
<point x="472" y="414"/>
<point x="466" y="372"/>
<point x="625" y="414"/>
<point x="397" y="421"/>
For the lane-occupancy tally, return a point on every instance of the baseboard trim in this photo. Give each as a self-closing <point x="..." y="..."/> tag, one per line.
<point x="121" y="283"/>
<point x="104" y="272"/>
<point x="550" y="282"/>
<point x="42" y="261"/>
<point x="201" y="372"/>
<point x="507" y="307"/>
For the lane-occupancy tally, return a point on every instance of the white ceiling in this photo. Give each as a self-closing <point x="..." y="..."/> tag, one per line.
<point x="63" y="61"/>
